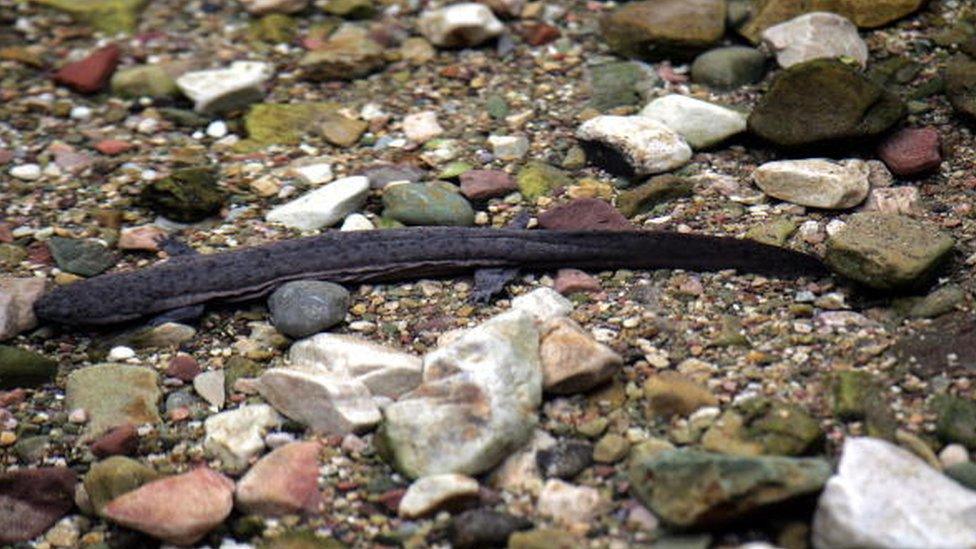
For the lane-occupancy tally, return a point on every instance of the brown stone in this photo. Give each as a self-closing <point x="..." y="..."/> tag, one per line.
<point x="863" y="13"/>
<point x="911" y="151"/>
<point x="283" y="482"/>
<point x="118" y="441"/>
<point x="570" y="281"/>
<point x="584" y="214"/>
<point x="572" y="361"/>
<point x="145" y="238"/>
<point x="485" y="184"/>
<point x="113" y="147"/>
<point x="183" y="367"/>
<point x="670" y="393"/>
<point x="92" y="73"/>
<point x="664" y="28"/>
<point x="32" y="500"/>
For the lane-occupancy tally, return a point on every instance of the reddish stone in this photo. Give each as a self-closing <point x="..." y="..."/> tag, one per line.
<point x="180" y="509"/>
<point x="537" y="34"/>
<point x="39" y="253"/>
<point x="183" y="367"/>
<point x="484" y="184"/>
<point x="32" y="500"/>
<point x="92" y="73"/>
<point x="283" y="482"/>
<point x="391" y="499"/>
<point x="6" y="235"/>
<point x="570" y="281"/>
<point x="118" y="441"/>
<point x="912" y="151"/>
<point x="12" y="397"/>
<point x="584" y="214"/>
<point x="6" y="156"/>
<point x="112" y="147"/>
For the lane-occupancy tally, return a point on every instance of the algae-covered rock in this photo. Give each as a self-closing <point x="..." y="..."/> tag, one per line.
<point x="286" y="124"/>
<point x="117" y="475"/>
<point x="887" y="251"/>
<point x="775" y="231"/>
<point x="664" y="28"/>
<point x="143" y="81"/>
<point x="274" y="28"/>
<point x="762" y="426"/>
<point x="188" y="195"/>
<point x="108" y="16"/>
<point x="539" y="179"/>
<point x="821" y="101"/>
<point x="351" y="9"/>
<point x="956" y="420"/>
<point x="23" y="368"/>
<point x="427" y="204"/>
<point x="857" y="396"/>
<point x="657" y="190"/>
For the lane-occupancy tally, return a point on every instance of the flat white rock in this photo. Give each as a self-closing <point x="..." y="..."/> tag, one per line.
<point x="26" y="172"/>
<point x="235" y="436"/>
<point x="210" y="386"/>
<point x="328" y="403"/>
<point x="464" y="24"/>
<point x="814" y="36"/>
<point x="816" y="182"/>
<point x="324" y="206"/>
<point x="570" y="505"/>
<point x="216" y="90"/>
<point x="428" y="494"/>
<point x="261" y="7"/>
<point x="885" y="496"/>
<point x="422" y="126"/>
<point x="648" y="146"/>
<point x="385" y="371"/>
<point x="701" y="123"/>
<point x="543" y="304"/>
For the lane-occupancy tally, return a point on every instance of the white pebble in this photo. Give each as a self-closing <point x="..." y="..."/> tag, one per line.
<point x="953" y="454"/>
<point x="217" y="129"/>
<point x="78" y="415"/>
<point x="27" y="172"/>
<point x="120" y="353"/>
<point x="80" y="113"/>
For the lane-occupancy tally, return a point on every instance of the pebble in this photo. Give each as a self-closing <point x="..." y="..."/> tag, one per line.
<point x="210" y="387"/>
<point x="729" y="67"/>
<point x="17" y="298"/>
<point x="429" y="494"/>
<point x="117" y="441"/>
<point x="864" y="13"/>
<point x="113" y="395"/>
<point x="120" y="354"/>
<point x="953" y="454"/>
<point x="26" y="172"/>
<point x="382" y="175"/>
<point x="484" y="528"/>
<point x="632" y="145"/>
<point x="204" y="498"/>
<point x="610" y="449"/>
<point x="887" y="251"/>
<point x="659" y="28"/>
<point x="565" y="459"/>
<point x="143" y="81"/>
<point x="572" y="361"/>
<point x="33" y="500"/>
<point x="818" y="183"/>
<point x="537" y="179"/>
<point x="570" y="281"/>
<point x="113" y="147"/>
<point x="144" y="238"/>
<point x="92" y="73"/>
<point x="81" y="257"/>
<point x="348" y="53"/>
<point x="218" y="90"/>
<point x="385" y="371"/>
<point x="436" y="203"/>
<point x="885" y="496"/>
<point x="814" y="36"/>
<point x="305" y="307"/>
<point x="543" y="304"/>
<point x="324" y="206"/>
<point x="573" y="506"/>
<point x="327" y="403"/>
<point x="912" y="151"/>
<point x="444" y="426"/>
<point x="485" y="184"/>
<point x="584" y="214"/>
<point x="700" y="123"/>
<point x="356" y="222"/>
<point x="509" y="147"/>
<point x="464" y="24"/>
<point x="217" y="129"/>
<point x="422" y="126"/>
<point x="284" y="482"/>
<point x="264" y="7"/>
<point x="313" y="171"/>
<point x="895" y="200"/>
<point x="236" y="436"/>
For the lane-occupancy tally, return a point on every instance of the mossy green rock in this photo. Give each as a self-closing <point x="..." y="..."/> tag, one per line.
<point x="300" y="539"/>
<point x="616" y="84"/>
<point x="351" y="9"/>
<point x="117" y="475"/>
<point x="537" y="179"/>
<point x="11" y="255"/>
<point x="956" y="420"/>
<point x="143" y="81"/>
<point x="821" y="101"/>
<point x="937" y="303"/>
<point x="80" y="256"/>
<point x="729" y="68"/>
<point x="960" y="81"/>
<point x="274" y="28"/>
<point x="23" y="368"/>
<point x="762" y="426"/>
<point x="113" y="395"/>
<point x="963" y="473"/>
<point x="774" y="232"/>
<point x="689" y="488"/>
<point x="239" y="367"/>
<point x="887" y="251"/>
<point x="656" y="191"/>
<point x="108" y="16"/>
<point x="427" y="204"/>
<point x="655" y="29"/>
<point x="188" y="195"/>
<point x="286" y="124"/>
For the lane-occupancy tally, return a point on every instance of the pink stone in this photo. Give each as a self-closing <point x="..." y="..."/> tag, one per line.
<point x="71" y="160"/>
<point x="92" y="73"/>
<point x="584" y="214"/>
<point x="32" y="500"/>
<point x="912" y="151"/>
<point x="17" y="297"/>
<point x="283" y="482"/>
<point x="145" y="238"/>
<point x="183" y="367"/>
<point x="6" y="234"/>
<point x="180" y="509"/>
<point x="570" y="281"/>
<point x="484" y="184"/>
<point x="112" y="147"/>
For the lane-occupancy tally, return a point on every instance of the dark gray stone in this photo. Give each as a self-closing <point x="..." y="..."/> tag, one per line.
<point x="302" y="308"/>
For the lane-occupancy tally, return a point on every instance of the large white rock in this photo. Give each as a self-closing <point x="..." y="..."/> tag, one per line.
<point x="324" y="206"/>
<point x="569" y="505"/>
<point x="17" y="298"/>
<point x="816" y="182"/>
<point x="329" y="404"/>
<point x="261" y="7"/>
<point x="217" y="90"/>
<point x="813" y="36"/>
<point x="884" y="496"/>
<point x="478" y="402"/>
<point x="465" y="24"/>
<point x="543" y="304"/>
<point x="428" y="494"/>
<point x="235" y="436"/>
<point x="385" y="371"/>
<point x="648" y="146"/>
<point x="701" y="123"/>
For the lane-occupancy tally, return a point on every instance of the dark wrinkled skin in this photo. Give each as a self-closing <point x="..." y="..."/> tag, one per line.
<point x="400" y="254"/>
